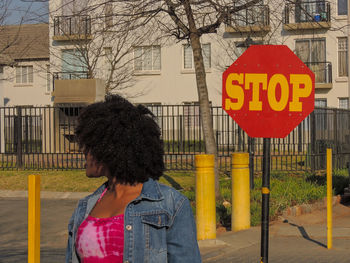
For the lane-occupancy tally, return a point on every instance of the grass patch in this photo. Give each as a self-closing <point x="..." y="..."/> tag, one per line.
<point x="60" y="181"/>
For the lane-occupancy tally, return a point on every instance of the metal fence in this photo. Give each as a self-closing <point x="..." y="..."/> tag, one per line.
<point x="43" y="138"/>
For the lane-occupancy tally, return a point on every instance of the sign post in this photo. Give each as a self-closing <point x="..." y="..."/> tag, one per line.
<point x="268" y="91"/>
<point x="265" y="204"/>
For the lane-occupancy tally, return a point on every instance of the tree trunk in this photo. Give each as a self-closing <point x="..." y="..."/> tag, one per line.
<point x="203" y="98"/>
<point x="204" y="106"/>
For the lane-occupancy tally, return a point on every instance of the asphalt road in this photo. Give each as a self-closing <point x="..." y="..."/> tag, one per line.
<point x="289" y="243"/>
<point x="13" y="229"/>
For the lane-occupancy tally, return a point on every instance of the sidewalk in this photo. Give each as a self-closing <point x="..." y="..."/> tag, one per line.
<point x="292" y="239"/>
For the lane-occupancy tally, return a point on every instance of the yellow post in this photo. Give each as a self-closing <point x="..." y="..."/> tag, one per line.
<point x="329" y="198"/>
<point x="205" y="197"/>
<point x="34" y="219"/>
<point x="240" y="218"/>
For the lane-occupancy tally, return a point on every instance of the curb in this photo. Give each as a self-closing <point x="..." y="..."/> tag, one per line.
<point x="44" y="194"/>
<point x="210" y="243"/>
<point x="298" y="210"/>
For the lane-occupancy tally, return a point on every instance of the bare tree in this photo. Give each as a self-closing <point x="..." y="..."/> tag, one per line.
<point x="190" y="20"/>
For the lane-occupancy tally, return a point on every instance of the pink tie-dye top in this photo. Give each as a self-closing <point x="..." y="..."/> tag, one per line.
<point x="101" y="240"/>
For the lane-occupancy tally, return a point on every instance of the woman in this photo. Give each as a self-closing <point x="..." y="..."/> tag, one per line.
<point x="131" y="217"/>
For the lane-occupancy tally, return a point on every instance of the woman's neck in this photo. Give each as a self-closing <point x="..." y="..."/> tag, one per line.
<point x="120" y="190"/>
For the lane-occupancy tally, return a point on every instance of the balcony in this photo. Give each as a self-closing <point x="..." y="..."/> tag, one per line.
<point x="70" y="75"/>
<point x="252" y="19"/>
<point x="323" y="74"/>
<point x="307" y="15"/>
<point x="75" y="27"/>
<point x="77" y="88"/>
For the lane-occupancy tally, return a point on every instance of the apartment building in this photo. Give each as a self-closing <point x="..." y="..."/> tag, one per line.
<point x="163" y="72"/>
<point x="316" y="31"/>
<point x="24" y="65"/>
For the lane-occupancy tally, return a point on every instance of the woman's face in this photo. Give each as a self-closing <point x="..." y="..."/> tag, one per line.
<point x="93" y="168"/>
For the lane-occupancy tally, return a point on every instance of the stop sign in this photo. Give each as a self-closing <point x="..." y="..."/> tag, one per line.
<point x="268" y="91"/>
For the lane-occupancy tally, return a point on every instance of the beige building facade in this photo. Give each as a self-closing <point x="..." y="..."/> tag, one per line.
<point x="163" y="72"/>
<point x="24" y="65"/>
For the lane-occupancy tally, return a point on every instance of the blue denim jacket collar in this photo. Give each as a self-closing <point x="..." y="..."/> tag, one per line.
<point x="150" y="191"/>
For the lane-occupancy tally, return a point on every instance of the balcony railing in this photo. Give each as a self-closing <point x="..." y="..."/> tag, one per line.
<point x="254" y="18"/>
<point x="318" y="13"/>
<point x="71" y="75"/>
<point x="322" y="70"/>
<point x="72" y="26"/>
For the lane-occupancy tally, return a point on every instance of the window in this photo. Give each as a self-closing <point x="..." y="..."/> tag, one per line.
<point x="342" y="7"/>
<point x="309" y="11"/>
<point x="342" y="56"/>
<point x="313" y="53"/>
<point x="321" y="114"/>
<point x="24" y="74"/>
<point x="48" y="79"/>
<point x="253" y="15"/>
<point x="108" y="62"/>
<point x="74" y="65"/>
<point x="147" y="58"/>
<point x="188" y="56"/>
<point x="321" y="103"/>
<point x="343" y="103"/>
<point x="1" y="70"/>
<point x="108" y="15"/>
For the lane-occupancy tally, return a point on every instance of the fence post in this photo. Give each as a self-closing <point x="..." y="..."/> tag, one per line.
<point x="336" y="144"/>
<point x="205" y="197"/>
<point x="19" y="136"/>
<point x="251" y="161"/>
<point x="313" y="140"/>
<point x="300" y="141"/>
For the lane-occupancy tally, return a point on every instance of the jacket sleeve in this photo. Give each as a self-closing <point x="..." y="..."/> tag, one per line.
<point x="182" y="243"/>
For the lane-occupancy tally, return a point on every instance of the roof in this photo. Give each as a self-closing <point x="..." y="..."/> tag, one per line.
<point x="23" y="42"/>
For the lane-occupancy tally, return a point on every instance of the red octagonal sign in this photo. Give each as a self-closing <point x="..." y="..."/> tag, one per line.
<point x="268" y="91"/>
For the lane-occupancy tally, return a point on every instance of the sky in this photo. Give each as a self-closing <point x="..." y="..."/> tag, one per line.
<point x="27" y="12"/>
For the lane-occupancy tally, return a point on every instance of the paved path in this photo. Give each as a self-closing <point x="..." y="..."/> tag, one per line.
<point x="298" y="239"/>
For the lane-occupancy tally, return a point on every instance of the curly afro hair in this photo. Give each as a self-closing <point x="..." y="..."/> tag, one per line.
<point x="123" y="137"/>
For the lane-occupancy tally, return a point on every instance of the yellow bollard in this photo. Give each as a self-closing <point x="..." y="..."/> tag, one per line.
<point x="205" y="197"/>
<point x="329" y="198"/>
<point x="240" y="218"/>
<point x="34" y="219"/>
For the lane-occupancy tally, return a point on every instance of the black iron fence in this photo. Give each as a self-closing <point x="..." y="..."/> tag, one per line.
<point x="257" y="15"/>
<point x="43" y="138"/>
<point x="72" y="25"/>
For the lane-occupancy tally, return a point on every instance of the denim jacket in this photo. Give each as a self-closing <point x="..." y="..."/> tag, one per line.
<point x="158" y="226"/>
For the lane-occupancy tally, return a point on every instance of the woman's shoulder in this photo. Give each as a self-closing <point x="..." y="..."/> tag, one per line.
<point x="171" y="196"/>
<point x="169" y="190"/>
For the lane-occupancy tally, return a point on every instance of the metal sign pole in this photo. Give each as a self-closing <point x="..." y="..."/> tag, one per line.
<point x="265" y="190"/>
